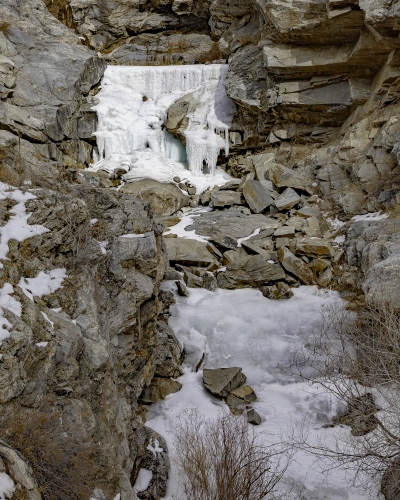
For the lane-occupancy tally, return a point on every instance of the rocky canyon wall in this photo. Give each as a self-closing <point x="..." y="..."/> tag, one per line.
<point x="316" y="85"/>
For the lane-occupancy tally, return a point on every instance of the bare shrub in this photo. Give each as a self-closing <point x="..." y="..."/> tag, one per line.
<point x="356" y="359"/>
<point x="65" y="468"/>
<point x="78" y="235"/>
<point x="226" y="458"/>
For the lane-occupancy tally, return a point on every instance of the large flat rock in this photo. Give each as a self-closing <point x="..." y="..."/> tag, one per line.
<point x="250" y="271"/>
<point x="188" y="252"/>
<point x="257" y="197"/>
<point x="232" y="223"/>
<point x="164" y="199"/>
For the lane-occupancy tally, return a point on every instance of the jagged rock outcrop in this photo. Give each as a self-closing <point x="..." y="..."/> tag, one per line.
<point x="317" y="57"/>
<point x="166" y="32"/>
<point x="93" y="342"/>
<point x="47" y="78"/>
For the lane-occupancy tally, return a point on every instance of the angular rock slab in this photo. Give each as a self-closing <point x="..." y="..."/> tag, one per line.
<point x="257" y="197"/>
<point x="317" y="247"/>
<point x="241" y="396"/>
<point x="287" y="200"/>
<point x="226" y="198"/>
<point x="253" y="417"/>
<point x="188" y="252"/>
<point x="222" y="381"/>
<point x="294" y="265"/>
<point x="252" y="271"/>
<point x="164" y="199"/>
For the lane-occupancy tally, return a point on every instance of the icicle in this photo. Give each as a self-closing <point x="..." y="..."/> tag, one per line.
<point x="133" y="107"/>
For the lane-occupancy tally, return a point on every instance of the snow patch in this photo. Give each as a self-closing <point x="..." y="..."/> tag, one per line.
<point x="243" y="328"/>
<point x="254" y="233"/>
<point x="133" y="235"/>
<point x="42" y="344"/>
<point x="143" y="480"/>
<point x="154" y="447"/>
<point x="370" y="216"/>
<point x="9" y="302"/>
<point x="17" y="226"/>
<point x="7" y="486"/>
<point x="187" y="220"/>
<point x="47" y="319"/>
<point x="45" y="283"/>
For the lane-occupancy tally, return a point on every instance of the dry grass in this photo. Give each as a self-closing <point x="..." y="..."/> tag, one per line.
<point x="65" y="467"/>
<point x="4" y="28"/>
<point x="225" y="459"/>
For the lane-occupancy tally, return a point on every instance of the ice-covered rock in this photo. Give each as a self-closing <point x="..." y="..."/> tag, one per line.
<point x="132" y="112"/>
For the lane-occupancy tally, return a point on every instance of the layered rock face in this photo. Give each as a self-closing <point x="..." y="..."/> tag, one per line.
<point x="46" y="77"/>
<point x="311" y="63"/>
<point x="144" y="32"/>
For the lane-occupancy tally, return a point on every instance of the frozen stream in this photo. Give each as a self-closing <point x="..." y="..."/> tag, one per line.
<point x="242" y="328"/>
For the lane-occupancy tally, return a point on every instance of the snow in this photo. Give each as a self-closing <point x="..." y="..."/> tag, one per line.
<point x="243" y="328"/>
<point x="254" y="233"/>
<point x="7" y="486"/>
<point x="9" y="302"/>
<point x="370" y="216"/>
<point x="143" y="480"/>
<point x="335" y="224"/>
<point x="45" y="283"/>
<point x="187" y="220"/>
<point x="339" y="239"/>
<point x="41" y="344"/>
<point x="5" y="327"/>
<point x="47" y="319"/>
<point x="103" y="246"/>
<point x="17" y="226"/>
<point x="133" y="235"/>
<point x="133" y="107"/>
<point x="154" y="447"/>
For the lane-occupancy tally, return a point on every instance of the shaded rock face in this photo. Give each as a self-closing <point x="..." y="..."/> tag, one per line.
<point x="306" y="56"/>
<point x="46" y="80"/>
<point x="138" y="32"/>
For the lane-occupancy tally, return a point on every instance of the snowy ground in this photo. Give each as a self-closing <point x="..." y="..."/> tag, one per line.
<point x="242" y="328"/>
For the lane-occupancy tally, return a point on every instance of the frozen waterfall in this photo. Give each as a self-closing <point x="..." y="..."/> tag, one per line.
<point x="132" y="110"/>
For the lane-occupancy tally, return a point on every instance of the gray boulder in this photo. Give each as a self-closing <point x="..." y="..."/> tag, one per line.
<point x="12" y="462"/>
<point x="287" y="200"/>
<point x="241" y="396"/>
<point x="280" y="290"/>
<point x="225" y="198"/>
<point x="295" y="266"/>
<point x="251" y="271"/>
<point x="159" y="389"/>
<point x="257" y="197"/>
<point x="222" y="381"/>
<point x="164" y="199"/>
<point x="253" y="417"/>
<point x="317" y="247"/>
<point x="188" y="252"/>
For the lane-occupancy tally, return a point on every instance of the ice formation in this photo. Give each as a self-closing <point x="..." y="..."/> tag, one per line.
<point x="131" y="136"/>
